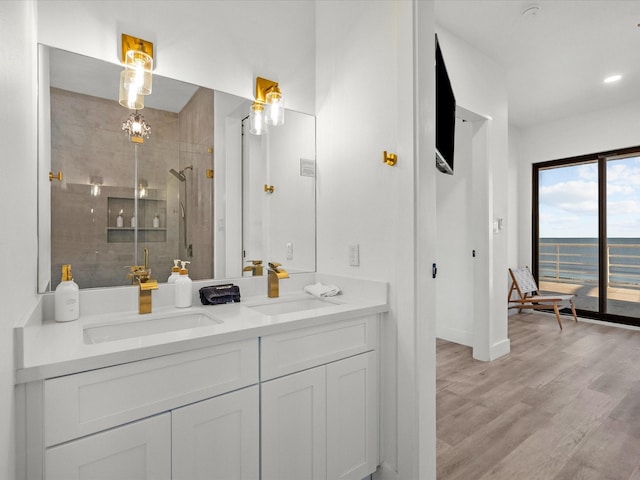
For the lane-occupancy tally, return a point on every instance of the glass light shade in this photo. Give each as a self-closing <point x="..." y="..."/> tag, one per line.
<point x="128" y="97"/>
<point x="257" y="126"/>
<point x="139" y="68"/>
<point x="275" y="107"/>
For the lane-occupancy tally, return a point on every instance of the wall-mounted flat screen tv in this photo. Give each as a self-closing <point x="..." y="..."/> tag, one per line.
<point x="445" y="116"/>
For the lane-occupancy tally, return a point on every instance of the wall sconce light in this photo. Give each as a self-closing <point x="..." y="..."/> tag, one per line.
<point x="96" y="182"/>
<point x="136" y="78"/>
<point x="268" y="107"/>
<point x="128" y="97"/>
<point x="142" y="189"/>
<point x="257" y="125"/>
<point x="136" y="127"/>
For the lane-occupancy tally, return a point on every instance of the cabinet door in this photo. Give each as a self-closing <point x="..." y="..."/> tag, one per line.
<point x="217" y="439"/>
<point x="294" y="426"/>
<point x="352" y="417"/>
<point x="140" y="450"/>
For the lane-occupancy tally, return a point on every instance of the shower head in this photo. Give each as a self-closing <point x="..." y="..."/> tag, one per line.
<point x="179" y="175"/>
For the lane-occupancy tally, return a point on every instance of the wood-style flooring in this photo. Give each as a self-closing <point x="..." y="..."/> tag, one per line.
<point x="562" y="405"/>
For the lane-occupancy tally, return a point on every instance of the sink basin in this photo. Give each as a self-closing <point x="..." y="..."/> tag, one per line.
<point x="139" y="327"/>
<point x="291" y="306"/>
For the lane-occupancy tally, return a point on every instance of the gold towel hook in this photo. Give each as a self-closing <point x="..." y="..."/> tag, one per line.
<point x="57" y="177"/>
<point x="269" y="188"/>
<point x="389" y="158"/>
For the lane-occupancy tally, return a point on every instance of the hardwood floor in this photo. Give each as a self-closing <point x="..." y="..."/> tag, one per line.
<point x="562" y="405"/>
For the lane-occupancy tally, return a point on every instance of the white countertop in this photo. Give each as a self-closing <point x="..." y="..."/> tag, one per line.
<point x="45" y="348"/>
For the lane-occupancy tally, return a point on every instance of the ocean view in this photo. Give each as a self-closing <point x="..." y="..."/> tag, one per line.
<point x="576" y="259"/>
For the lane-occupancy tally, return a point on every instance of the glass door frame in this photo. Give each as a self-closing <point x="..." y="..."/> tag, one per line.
<point x="601" y="160"/>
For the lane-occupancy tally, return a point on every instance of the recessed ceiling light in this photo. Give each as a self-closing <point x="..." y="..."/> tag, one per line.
<point x="531" y="11"/>
<point x="612" y="78"/>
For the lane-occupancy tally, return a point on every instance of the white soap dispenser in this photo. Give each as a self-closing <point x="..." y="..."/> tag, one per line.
<point x="183" y="287"/>
<point x="67" y="297"/>
<point x="156" y="221"/>
<point x="175" y="271"/>
<point x="120" y="220"/>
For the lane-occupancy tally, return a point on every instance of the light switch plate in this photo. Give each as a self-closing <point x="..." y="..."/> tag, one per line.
<point x="354" y="255"/>
<point x="289" y="251"/>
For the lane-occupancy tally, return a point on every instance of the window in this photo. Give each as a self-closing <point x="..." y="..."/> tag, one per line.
<point x="586" y="232"/>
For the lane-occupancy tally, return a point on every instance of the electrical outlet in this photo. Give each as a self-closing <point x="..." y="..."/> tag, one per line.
<point x="289" y="251"/>
<point x="354" y="255"/>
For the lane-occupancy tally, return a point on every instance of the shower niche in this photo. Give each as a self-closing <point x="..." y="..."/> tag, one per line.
<point x="149" y="225"/>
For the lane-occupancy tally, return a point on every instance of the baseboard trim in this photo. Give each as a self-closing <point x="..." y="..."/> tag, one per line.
<point x="499" y="349"/>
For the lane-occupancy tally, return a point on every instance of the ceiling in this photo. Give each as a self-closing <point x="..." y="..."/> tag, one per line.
<point x="555" y="60"/>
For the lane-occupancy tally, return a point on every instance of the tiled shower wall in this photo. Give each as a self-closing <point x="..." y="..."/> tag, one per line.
<point x="196" y="149"/>
<point x="87" y="142"/>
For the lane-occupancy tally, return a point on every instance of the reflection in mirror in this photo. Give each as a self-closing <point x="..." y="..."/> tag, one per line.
<point x="279" y="194"/>
<point x="118" y="197"/>
<point x="167" y="183"/>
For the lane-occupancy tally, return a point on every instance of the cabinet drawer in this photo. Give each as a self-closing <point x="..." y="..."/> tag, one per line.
<point x="297" y="350"/>
<point x="88" y="402"/>
<point x="140" y="450"/>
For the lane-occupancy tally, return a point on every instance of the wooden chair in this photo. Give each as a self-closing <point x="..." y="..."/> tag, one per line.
<point x="523" y="283"/>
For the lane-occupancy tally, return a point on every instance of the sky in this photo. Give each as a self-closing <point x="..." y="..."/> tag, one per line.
<point x="568" y="200"/>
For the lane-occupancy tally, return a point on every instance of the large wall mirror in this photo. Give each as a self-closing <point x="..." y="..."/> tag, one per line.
<point x="195" y="190"/>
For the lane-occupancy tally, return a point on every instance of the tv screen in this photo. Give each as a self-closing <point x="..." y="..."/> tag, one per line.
<point x="445" y="116"/>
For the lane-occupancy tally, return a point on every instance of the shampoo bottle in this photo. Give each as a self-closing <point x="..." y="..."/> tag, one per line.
<point x="183" y="287"/>
<point x="175" y="272"/>
<point x="67" y="297"/>
<point x="120" y="220"/>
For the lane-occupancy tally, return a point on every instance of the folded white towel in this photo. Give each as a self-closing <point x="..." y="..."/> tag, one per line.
<point x="321" y="291"/>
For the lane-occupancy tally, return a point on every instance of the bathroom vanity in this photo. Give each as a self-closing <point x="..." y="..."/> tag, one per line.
<point x="269" y="388"/>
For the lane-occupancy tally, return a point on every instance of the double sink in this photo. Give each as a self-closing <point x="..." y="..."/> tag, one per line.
<point x="135" y="326"/>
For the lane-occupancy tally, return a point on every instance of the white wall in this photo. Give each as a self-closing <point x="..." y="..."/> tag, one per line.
<point x="479" y="85"/>
<point x="514" y="220"/>
<point x="595" y="132"/>
<point x="220" y="44"/>
<point x="18" y="243"/>
<point x="365" y="105"/>
<point x="454" y="211"/>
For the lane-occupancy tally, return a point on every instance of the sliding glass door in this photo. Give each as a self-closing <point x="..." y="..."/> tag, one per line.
<point x="586" y="226"/>
<point x="622" y="208"/>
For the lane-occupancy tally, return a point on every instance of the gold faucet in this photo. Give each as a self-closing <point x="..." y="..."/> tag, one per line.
<point x="276" y="272"/>
<point x="255" y="268"/>
<point x="141" y="275"/>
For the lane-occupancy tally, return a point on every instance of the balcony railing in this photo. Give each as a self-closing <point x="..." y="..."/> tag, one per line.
<point x="577" y="262"/>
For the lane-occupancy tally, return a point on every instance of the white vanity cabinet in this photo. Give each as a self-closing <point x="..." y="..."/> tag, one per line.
<point x="319" y="414"/>
<point x="138" y="420"/>
<point x="294" y="405"/>
<point x="215" y="439"/>
<point x="140" y="450"/>
<point x="218" y="439"/>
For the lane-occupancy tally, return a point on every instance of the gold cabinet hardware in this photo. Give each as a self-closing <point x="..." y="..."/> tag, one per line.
<point x="269" y="188"/>
<point x="209" y="172"/>
<point x="389" y="158"/>
<point x="57" y="177"/>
